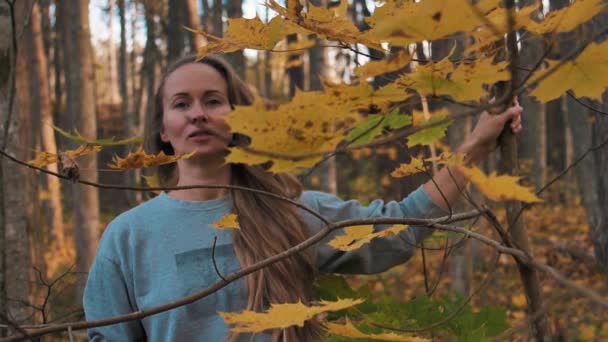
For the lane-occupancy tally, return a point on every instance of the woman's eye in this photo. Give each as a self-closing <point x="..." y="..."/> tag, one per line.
<point x="180" y="105"/>
<point x="213" y="102"/>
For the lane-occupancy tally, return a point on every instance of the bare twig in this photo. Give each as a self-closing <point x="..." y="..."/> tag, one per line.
<point x="454" y="313"/>
<point x="139" y="188"/>
<point x="213" y="259"/>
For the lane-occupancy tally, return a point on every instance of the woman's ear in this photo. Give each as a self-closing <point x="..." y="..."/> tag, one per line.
<point x="164" y="137"/>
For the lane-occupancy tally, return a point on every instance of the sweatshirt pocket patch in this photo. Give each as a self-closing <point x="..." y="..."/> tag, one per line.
<point x="196" y="272"/>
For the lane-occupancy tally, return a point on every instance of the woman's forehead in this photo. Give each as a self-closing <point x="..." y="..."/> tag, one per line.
<point x="194" y="77"/>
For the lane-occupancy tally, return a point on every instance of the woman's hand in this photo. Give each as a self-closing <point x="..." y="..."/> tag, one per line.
<point x="480" y="143"/>
<point x="483" y="139"/>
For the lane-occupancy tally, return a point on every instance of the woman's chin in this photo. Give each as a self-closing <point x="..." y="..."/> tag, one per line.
<point x="208" y="154"/>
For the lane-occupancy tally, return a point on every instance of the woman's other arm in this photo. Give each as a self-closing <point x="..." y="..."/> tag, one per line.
<point x="446" y="184"/>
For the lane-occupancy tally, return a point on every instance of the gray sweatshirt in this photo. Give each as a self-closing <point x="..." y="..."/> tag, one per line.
<point x="161" y="251"/>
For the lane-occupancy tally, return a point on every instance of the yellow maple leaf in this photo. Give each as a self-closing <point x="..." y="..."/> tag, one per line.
<point x="463" y="83"/>
<point x="46" y="158"/>
<point x="331" y="23"/>
<point x="404" y="23"/>
<point x="227" y="221"/>
<point x="393" y="63"/>
<point x="416" y="165"/>
<point x="357" y="236"/>
<point x="312" y="123"/>
<point x="282" y="315"/>
<point x="499" y="188"/>
<point x="349" y="330"/>
<point x="140" y="159"/>
<point x="249" y="33"/>
<point x="567" y="18"/>
<point x="585" y="76"/>
<point x="496" y="26"/>
<point x="43" y="159"/>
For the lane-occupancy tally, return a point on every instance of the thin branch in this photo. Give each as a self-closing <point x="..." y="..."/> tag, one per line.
<point x="569" y="92"/>
<point x="15" y="326"/>
<point x="562" y="174"/>
<point x="454" y="313"/>
<point x="139" y="188"/>
<point x="213" y="259"/>
<point x="431" y="223"/>
<point x="234" y="276"/>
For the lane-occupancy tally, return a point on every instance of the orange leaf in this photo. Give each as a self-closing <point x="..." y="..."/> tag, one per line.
<point x="227" y="221"/>
<point x="499" y="188"/>
<point x="139" y="159"/>
<point x="282" y="315"/>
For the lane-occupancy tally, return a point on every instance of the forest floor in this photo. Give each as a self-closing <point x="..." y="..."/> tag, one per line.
<point x="559" y="238"/>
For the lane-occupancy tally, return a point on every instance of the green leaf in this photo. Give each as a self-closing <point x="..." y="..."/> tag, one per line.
<point x="374" y="125"/>
<point x="395" y="120"/>
<point x="366" y="131"/>
<point x="428" y="135"/>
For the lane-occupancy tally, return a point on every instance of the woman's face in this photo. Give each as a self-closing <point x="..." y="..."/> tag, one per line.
<point x="195" y="102"/>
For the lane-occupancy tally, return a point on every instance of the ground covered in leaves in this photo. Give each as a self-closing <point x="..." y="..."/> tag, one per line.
<point x="560" y="239"/>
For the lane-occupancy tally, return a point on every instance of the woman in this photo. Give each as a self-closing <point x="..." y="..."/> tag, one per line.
<point x="162" y="250"/>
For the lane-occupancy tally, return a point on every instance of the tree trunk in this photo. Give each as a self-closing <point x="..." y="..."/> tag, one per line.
<point x="236" y="58"/>
<point x="150" y="58"/>
<point x="14" y="255"/>
<point x="175" y="33"/>
<point x="40" y="107"/>
<point x="195" y="41"/>
<point x="207" y="18"/>
<point x="111" y="72"/>
<point x="517" y="229"/>
<point x="125" y="100"/>
<point x="81" y="108"/>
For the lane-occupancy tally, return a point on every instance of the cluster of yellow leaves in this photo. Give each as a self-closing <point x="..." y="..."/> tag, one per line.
<point x="229" y="221"/>
<point x="393" y="63"/>
<point x="499" y="188"/>
<point x="585" y="75"/>
<point x="463" y="83"/>
<point x="349" y="330"/>
<point x="251" y="34"/>
<point x="282" y="315"/>
<point x="46" y="158"/>
<point x="567" y="18"/>
<point x="402" y="23"/>
<point x="312" y="123"/>
<point x="330" y="23"/>
<point x="140" y="159"/>
<point x="357" y="236"/>
<point x="417" y="165"/>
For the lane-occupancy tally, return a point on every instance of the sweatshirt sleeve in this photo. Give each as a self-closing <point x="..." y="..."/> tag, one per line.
<point x="107" y="294"/>
<point x="381" y="253"/>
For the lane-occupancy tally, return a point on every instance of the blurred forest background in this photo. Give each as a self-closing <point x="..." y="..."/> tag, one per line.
<point x="93" y="66"/>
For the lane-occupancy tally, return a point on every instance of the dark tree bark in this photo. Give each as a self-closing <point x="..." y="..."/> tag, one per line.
<point x="175" y="33"/>
<point x="81" y="109"/>
<point x="14" y="256"/>
<point x="509" y="164"/>
<point x="236" y="58"/>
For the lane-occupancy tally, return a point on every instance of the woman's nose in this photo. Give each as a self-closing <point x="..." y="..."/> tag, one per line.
<point x="198" y="114"/>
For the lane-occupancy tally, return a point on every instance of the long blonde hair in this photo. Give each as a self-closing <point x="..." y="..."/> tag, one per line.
<point x="268" y="225"/>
